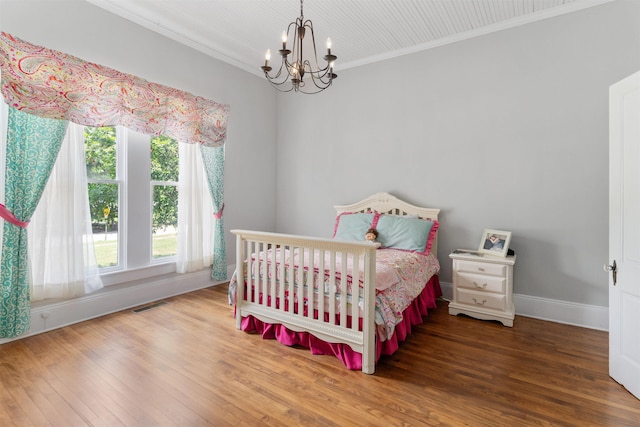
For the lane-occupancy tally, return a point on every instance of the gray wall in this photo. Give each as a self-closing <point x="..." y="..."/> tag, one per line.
<point x="79" y="28"/>
<point x="507" y="131"/>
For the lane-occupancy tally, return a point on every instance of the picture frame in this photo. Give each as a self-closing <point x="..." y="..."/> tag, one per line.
<point x="495" y="242"/>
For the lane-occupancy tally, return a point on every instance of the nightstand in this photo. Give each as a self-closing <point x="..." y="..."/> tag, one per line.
<point x="483" y="286"/>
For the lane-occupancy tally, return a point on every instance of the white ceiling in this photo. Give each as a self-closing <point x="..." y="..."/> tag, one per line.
<point x="362" y="31"/>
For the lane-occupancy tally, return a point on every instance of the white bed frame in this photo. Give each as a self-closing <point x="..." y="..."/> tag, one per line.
<point x="250" y="242"/>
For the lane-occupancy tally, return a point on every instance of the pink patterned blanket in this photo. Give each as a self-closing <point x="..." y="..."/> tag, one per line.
<point x="400" y="278"/>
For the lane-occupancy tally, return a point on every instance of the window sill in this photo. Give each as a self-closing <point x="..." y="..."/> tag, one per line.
<point x="134" y="275"/>
<point x="52" y="314"/>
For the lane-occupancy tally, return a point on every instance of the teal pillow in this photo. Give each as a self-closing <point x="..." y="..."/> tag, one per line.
<point x="410" y="234"/>
<point x="352" y="226"/>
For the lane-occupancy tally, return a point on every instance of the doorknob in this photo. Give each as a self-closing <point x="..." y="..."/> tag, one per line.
<point x="613" y="268"/>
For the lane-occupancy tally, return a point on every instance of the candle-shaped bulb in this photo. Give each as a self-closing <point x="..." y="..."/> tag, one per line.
<point x="284" y="37"/>
<point x="267" y="57"/>
<point x="328" y="43"/>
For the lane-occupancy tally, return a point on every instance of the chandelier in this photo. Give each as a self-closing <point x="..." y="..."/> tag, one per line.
<point x="297" y="73"/>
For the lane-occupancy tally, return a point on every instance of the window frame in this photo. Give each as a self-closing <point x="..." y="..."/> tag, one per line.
<point x="135" y="207"/>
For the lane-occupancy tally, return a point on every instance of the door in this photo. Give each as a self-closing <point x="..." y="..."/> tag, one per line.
<point x="624" y="233"/>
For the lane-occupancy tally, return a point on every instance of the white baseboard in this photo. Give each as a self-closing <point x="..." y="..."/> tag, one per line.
<point x="570" y="313"/>
<point x="46" y="316"/>
<point x="49" y="315"/>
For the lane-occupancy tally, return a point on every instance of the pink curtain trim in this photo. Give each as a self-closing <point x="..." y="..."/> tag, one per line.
<point x="412" y="316"/>
<point x="218" y="214"/>
<point x="8" y="216"/>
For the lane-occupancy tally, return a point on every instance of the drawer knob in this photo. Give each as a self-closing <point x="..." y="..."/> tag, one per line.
<point x="480" y="302"/>
<point x="480" y="269"/>
<point x="484" y="285"/>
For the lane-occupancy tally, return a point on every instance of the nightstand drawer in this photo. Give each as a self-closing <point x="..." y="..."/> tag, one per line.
<point x="481" y="268"/>
<point x="481" y="282"/>
<point x="479" y="299"/>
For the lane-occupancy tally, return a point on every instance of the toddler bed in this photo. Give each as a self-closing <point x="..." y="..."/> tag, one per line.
<point x="345" y="296"/>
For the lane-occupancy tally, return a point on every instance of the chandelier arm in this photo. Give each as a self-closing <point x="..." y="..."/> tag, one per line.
<point x="326" y="76"/>
<point x="308" y="92"/>
<point x="324" y="83"/>
<point x="309" y="24"/>
<point x="319" y="73"/>
<point x="274" y="80"/>
<point x="280" y="88"/>
<point x="276" y="76"/>
<point x="295" y="25"/>
<point x="295" y="68"/>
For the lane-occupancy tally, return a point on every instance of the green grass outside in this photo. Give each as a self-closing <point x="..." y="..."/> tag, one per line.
<point x="107" y="250"/>
<point x="164" y="244"/>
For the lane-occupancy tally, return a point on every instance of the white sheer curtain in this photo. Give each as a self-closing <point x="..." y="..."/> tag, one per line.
<point x="62" y="257"/>
<point x="195" y="215"/>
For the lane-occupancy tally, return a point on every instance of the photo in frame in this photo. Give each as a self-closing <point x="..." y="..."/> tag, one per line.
<point x="495" y="242"/>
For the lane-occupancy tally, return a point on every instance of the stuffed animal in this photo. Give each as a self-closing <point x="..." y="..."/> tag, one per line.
<point x="371" y="235"/>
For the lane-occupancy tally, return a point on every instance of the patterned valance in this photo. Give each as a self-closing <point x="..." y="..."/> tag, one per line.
<point x="52" y="84"/>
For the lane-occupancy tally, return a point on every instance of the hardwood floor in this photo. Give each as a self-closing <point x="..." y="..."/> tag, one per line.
<point x="184" y="364"/>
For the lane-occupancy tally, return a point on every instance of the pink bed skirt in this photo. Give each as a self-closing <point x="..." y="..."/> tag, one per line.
<point x="352" y="360"/>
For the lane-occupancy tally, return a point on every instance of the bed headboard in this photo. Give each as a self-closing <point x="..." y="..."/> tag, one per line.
<point x="386" y="203"/>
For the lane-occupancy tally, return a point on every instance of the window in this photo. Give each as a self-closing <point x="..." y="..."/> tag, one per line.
<point x="133" y="198"/>
<point x="104" y="192"/>
<point x="164" y="193"/>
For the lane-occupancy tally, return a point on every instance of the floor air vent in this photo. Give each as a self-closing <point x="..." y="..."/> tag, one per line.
<point x="149" y="307"/>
